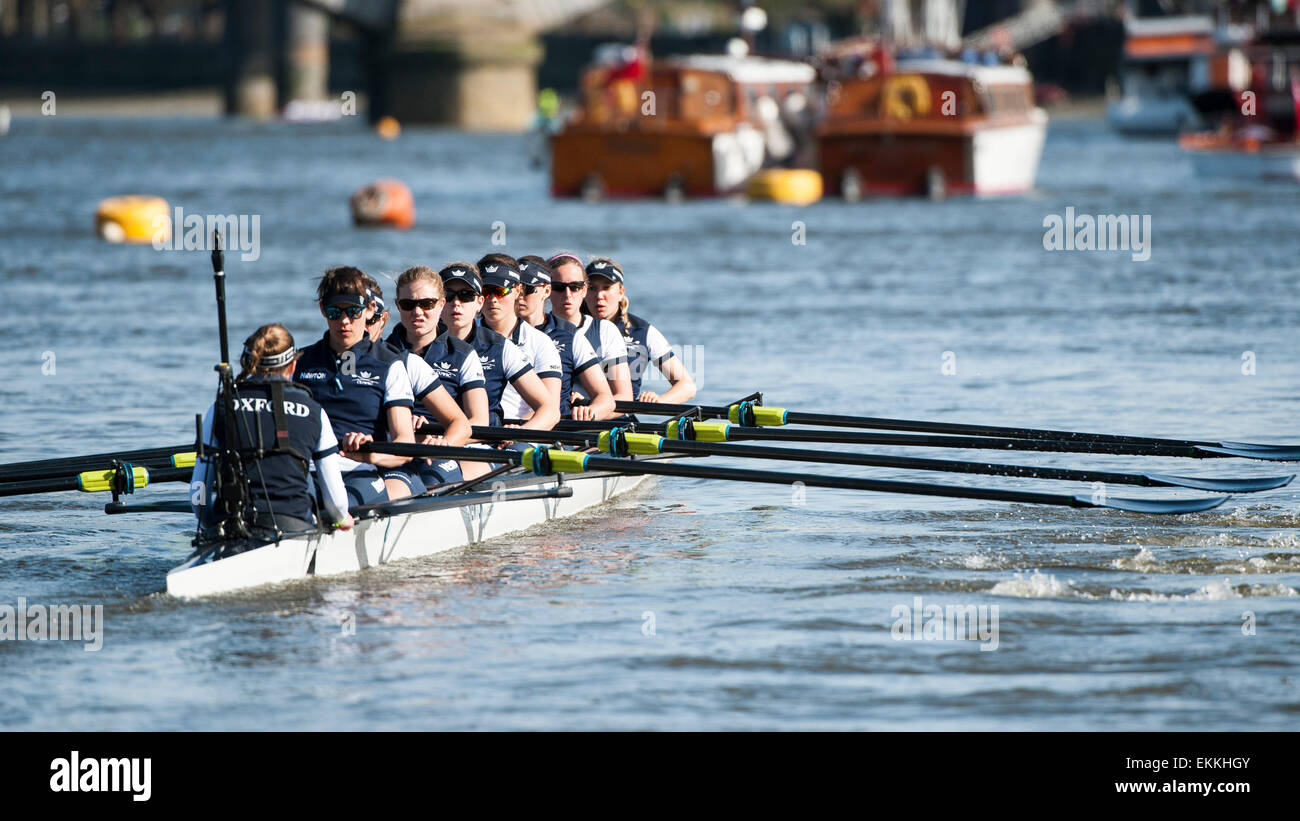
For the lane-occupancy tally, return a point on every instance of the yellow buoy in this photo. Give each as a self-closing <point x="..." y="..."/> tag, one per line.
<point x="796" y="186"/>
<point x="134" y="218"/>
<point x="388" y="128"/>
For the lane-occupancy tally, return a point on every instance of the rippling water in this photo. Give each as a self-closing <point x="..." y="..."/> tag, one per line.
<point x="769" y="611"/>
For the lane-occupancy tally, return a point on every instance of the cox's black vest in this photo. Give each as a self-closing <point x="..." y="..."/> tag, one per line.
<point x="278" y="479"/>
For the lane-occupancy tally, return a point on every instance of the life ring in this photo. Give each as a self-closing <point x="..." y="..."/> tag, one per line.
<point x="384" y="202"/>
<point x="134" y="218"/>
<point x="905" y="96"/>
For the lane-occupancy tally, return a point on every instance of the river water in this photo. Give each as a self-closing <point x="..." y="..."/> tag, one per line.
<point x="692" y="604"/>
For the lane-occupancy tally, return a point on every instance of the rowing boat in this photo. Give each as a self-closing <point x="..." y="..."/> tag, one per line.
<point x="546" y="482"/>
<point x="405" y="529"/>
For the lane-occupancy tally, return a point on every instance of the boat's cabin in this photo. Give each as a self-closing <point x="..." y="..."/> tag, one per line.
<point x="933" y="90"/>
<point x="709" y="92"/>
<point x="1167" y="56"/>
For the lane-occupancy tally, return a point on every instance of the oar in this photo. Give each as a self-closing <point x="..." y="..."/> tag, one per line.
<point x="467" y="484"/>
<point x="725" y="432"/>
<point x="174" y="456"/>
<point x="751" y="414"/>
<point x="547" y="461"/>
<point x="621" y="442"/>
<point x="97" y="481"/>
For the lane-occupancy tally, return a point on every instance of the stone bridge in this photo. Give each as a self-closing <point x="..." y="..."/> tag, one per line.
<point x="467" y="63"/>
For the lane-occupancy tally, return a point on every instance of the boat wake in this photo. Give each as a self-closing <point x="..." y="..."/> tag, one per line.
<point x="1038" y="585"/>
<point x="1145" y="561"/>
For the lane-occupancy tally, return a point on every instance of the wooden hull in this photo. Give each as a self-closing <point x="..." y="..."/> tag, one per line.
<point x="645" y="164"/>
<point x="980" y="159"/>
<point x="451" y="522"/>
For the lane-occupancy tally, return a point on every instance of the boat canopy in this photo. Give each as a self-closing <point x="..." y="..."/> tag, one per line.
<point x="746" y="70"/>
<point x="988" y="75"/>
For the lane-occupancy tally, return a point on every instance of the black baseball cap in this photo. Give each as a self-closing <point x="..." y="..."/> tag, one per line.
<point x="608" y="270"/>
<point x="534" y="273"/>
<point x="463" y="273"/>
<point x="338" y="298"/>
<point x="499" y="273"/>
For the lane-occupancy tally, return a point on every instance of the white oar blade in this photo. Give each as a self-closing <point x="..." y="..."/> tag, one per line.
<point x="1155" y="505"/>
<point x="1253" y="484"/>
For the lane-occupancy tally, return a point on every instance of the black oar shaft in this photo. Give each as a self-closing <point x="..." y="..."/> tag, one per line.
<point x="643" y="466"/>
<point x="841" y="458"/>
<point x="39" y="486"/>
<point x="414" y="451"/>
<point x="880" y="423"/>
<point x="848" y="437"/>
<point x="963" y="442"/>
<point x="67" y="483"/>
<point x="72" y="465"/>
<point x="910" y="463"/>
<point x="616" y="465"/>
<point x="1224" y="484"/>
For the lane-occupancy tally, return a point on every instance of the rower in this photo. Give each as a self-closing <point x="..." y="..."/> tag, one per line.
<point x="420" y="299"/>
<point x="433" y="402"/>
<point x="279" y="431"/>
<point x="503" y="362"/>
<point x="366" y="393"/>
<point x="577" y="359"/>
<point x="607" y="299"/>
<point x="501" y="314"/>
<point x="569" y="289"/>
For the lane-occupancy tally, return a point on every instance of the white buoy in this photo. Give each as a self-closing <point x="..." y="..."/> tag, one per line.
<point x="4" y="120"/>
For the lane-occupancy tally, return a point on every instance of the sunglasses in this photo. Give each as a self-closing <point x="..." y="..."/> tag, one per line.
<point x="376" y="319"/>
<point x="497" y="290"/>
<point x="466" y="295"/>
<point x="422" y="304"/>
<point x="529" y="290"/>
<point x="333" y="312"/>
<point x="571" y="286"/>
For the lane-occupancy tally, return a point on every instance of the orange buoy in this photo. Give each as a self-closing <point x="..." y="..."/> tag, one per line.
<point x="384" y="202"/>
<point x="134" y="218"/>
<point x="388" y="128"/>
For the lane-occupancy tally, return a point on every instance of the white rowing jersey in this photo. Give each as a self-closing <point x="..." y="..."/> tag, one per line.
<point x="542" y="355"/>
<point x="607" y="340"/>
<point x="424" y="380"/>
